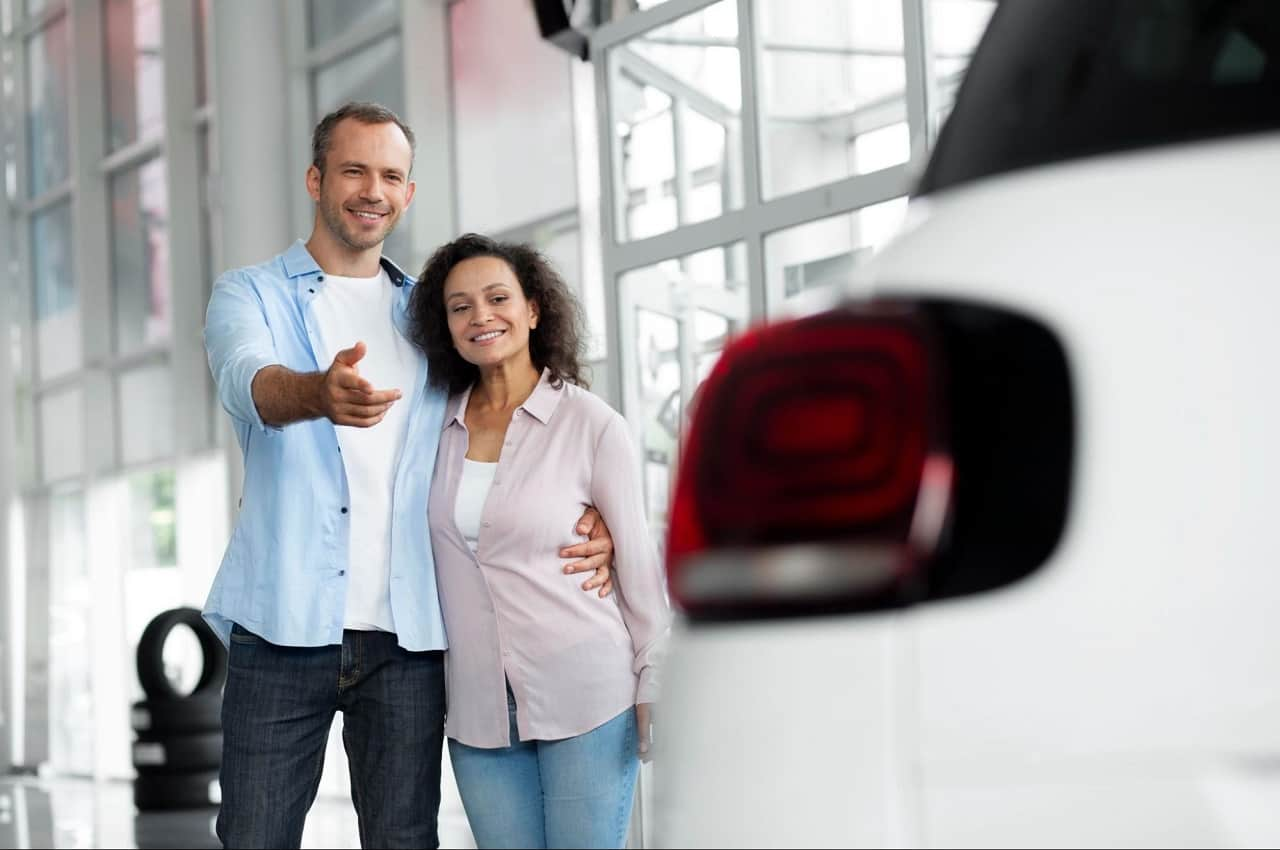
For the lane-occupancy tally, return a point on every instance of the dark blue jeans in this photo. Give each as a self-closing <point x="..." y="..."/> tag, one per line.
<point x="277" y="708"/>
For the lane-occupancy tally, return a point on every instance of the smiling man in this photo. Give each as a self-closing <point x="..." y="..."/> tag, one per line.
<point x="326" y="596"/>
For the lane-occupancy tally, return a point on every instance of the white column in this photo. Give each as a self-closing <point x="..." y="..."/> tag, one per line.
<point x="189" y="372"/>
<point x="8" y="235"/>
<point x="35" y="734"/>
<point x="429" y="111"/>
<point x="251" y="189"/>
<point x="253" y="186"/>
<point x="16" y="472"/>
<point x="91" y="235"/>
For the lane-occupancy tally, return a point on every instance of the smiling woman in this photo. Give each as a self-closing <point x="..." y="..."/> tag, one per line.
<point x="514" y="271"/>
<point x="524" y="447"/>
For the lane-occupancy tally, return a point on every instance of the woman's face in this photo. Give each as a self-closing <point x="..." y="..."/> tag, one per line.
<point x="489" y="317"/>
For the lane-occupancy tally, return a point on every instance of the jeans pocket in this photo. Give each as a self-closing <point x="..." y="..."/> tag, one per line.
<point x="243" y="636"/>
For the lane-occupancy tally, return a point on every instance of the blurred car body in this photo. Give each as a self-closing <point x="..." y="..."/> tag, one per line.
<point x="1087" y="652"/>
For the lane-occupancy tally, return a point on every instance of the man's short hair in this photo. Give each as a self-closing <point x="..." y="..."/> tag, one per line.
<point x="365" y="113"/>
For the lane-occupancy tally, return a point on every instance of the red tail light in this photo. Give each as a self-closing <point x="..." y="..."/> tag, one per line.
<point x="815" y="470"/>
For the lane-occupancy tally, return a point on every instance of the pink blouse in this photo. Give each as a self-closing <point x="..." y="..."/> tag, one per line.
<point x="574" y="660"/>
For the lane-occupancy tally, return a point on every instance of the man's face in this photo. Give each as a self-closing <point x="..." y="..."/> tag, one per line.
<point x="365" y="185"/>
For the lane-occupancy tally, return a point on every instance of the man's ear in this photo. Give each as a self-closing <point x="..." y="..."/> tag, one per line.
<point x="313" y="182"/>
<point x="408" y="194"/>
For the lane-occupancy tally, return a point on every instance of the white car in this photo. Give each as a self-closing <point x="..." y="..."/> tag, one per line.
<point x="990" y="557"/>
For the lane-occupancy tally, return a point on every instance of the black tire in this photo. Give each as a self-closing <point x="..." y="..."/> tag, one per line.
<point x="167" y="754"/>
<point x="189" y="828"/>
<point x="151" y="655"/>
<point x="176" y="790"/>
<point x="199" y="713"/>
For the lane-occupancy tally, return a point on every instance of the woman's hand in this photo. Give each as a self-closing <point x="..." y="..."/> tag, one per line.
<point x="644" y="731"/>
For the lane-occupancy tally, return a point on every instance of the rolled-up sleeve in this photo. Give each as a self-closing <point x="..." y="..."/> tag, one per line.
<point x="617" y="492"/>
<point x="238" y="342"/>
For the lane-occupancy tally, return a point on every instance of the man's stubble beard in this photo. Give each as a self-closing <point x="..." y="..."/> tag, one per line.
<point x="331" y="212"/>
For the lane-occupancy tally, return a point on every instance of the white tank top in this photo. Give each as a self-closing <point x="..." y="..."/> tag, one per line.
<point x="473" y="489"/>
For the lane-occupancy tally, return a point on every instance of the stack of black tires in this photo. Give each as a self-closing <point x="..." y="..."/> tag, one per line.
<point x="177" y="748"/>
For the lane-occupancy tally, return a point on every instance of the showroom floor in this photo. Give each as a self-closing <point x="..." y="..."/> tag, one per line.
<point x="81" y="813"/>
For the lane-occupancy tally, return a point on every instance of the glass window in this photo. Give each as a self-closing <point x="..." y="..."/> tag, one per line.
<point x="676" y="96"/>
<point x="563" y="247"/>
<point x="135" y="85"/>
<point x="141" y="506"/>
<point x="373" y="73"/>
<point x="680" y="312"/>
<point x="808" y="266"/>
<point x="1092" y="79"/>
<point x="955" y="26"/>
<point x="47" y="114"/>
<point x="831" y="91"/>
<point x="146" y="414"/>
<point x="57" y="304"/>
<point x="153" y="532"/>
<point x="513" y="104"/>
<point x="22" y="420"/>
<point x="331" y="18"/>
<point x="140" y="256"/>
<point x="61" y="434"/>
<point x="618" y="11"/>
<point x="71" y="739"/>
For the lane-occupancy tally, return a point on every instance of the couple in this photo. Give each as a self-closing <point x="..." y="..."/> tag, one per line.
<point x="384" y="421"/>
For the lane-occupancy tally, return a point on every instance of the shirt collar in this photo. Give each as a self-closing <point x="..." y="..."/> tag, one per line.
<point x="299" y="262"/>
<point x="397" y="275"/>
<point x="456" y="409"/>
<point x="541" y="403"/>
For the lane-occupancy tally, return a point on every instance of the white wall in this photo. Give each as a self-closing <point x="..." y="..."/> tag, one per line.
<point x="513" y="109"/>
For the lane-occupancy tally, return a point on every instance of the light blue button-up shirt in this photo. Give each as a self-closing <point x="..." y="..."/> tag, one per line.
<point x="284" y="575"/>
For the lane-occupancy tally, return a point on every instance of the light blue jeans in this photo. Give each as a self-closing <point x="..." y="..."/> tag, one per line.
<point x="575" y="792"/>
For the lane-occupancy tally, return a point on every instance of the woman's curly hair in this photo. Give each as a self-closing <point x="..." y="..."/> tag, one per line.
<point x="557" y="344"/>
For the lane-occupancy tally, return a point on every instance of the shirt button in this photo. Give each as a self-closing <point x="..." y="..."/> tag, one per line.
<point x="344" y="510"/>
<point x="484" y="524"/>
<point x="342" y="572"/>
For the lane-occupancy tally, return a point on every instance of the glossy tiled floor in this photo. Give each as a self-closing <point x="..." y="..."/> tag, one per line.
<point x="37" y="812"/>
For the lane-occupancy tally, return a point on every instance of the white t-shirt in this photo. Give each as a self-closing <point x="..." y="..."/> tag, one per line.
<point x="348" y="310"/>
<point x="473" y="489"/>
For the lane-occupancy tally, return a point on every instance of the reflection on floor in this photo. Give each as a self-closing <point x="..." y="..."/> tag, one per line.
<point x="75" y="813"/>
